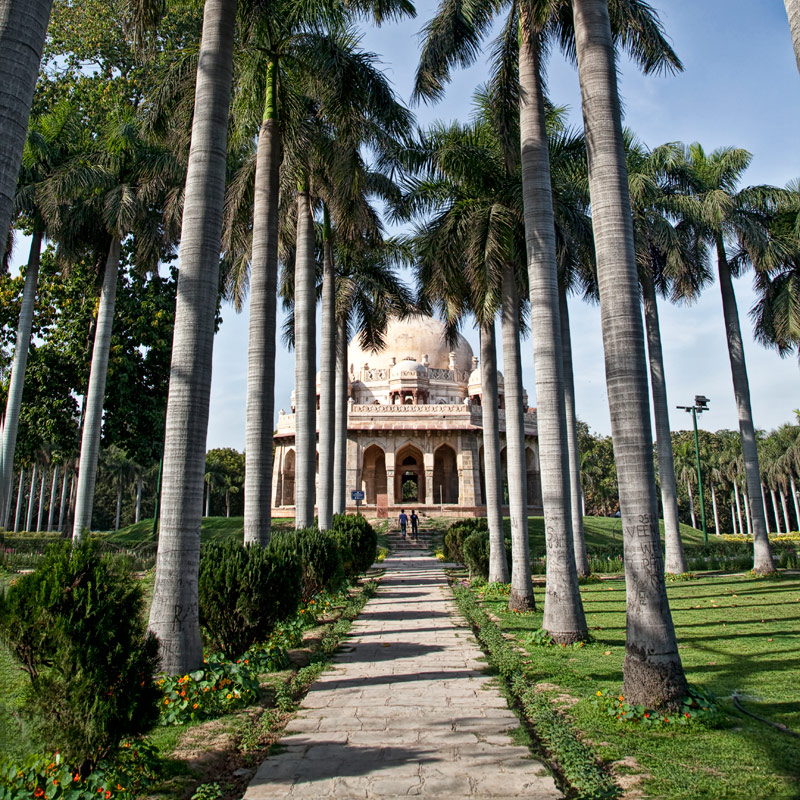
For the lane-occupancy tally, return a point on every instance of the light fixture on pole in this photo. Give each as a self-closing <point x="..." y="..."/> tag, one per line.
<point x="700" y="405"/>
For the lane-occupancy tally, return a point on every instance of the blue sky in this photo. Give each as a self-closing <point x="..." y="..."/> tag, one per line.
<point x="740" y="87"/>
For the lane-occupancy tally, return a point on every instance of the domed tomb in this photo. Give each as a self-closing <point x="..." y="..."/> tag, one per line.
<point x="416" y="336"/>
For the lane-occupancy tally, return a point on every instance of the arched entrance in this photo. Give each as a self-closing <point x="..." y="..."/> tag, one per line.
<point x="373" y="475"/>
<point x="445" y="475"/>
<point x="287" y="493"/>
<point x="409" y="476"/>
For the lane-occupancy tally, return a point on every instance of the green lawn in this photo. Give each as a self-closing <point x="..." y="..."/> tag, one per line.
<point x="736" y="633"/>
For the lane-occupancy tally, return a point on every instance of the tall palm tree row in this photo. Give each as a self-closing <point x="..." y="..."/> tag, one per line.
<point x="23" y="26"/>
<point x="739" y="218"/>
<point x="174" y="611"/>
<point x="652" y="670"/>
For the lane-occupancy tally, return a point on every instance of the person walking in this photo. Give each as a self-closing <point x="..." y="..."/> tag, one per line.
<point x="414" y="525"/>
<point x="403" y="520"/>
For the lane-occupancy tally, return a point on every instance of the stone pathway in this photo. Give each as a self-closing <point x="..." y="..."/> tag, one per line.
<point x="407" y="709"/>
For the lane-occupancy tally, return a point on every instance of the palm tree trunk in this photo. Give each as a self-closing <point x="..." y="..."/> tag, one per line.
<point x="42" y="496"/>
<point x="576" y="492"/>
<point x="762" y="555"/>
<point x="23" y="26"/>
<point x="228" y="503"/>
<point x="796" y="501"/>
<point x="208" y="499"/>
<point x="716" y="514"/>
<point x="17" y="381"/>
<point x="733" y="519"/>
<point x="691" y="504"/>
<point x="521" y="596"/>
<point x="174" y="611"/>
<point x="305" y="345"/>
<point x="747" y="510"/>
<point x="119" y="507"/>
<point x="652" y="669"/>
<point x="498" y="567"/>
<point x="738" y="505"/>
<point x="139" y="480"/>
<point x="793" y="12"/>
<point x="31" y="497"/>
<point x="260" y="413"/>
<point x="340" y="439"/>
<point x="53" y="493"/>
<point x="20" y="491"/>
<point x="785" y="511"/>
<point x="93" y="418"/>
<point x="675" y="561"/>
<point x="775" y="511"/>
<point x="563" y="613"/>
<point x="327" y="381"/>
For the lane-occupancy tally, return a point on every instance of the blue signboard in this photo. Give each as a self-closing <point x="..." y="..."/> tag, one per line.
<point x="357" y="494"/>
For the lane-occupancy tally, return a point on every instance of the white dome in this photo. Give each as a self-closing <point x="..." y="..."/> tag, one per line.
<point x="409" y="368"/>
<point x="415" y="337"/>
<point x="475" y="380"/>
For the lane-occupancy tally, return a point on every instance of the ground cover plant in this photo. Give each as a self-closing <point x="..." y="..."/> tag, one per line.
<point x="738" y="635"/>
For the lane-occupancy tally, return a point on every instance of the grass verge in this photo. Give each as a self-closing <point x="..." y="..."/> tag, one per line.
<point x="737" y="634"/>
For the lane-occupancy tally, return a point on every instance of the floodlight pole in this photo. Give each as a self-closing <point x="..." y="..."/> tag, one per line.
<point x="700" y="405"/>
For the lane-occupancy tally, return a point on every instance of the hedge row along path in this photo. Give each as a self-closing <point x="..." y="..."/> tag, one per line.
<point x="407" y="709"/>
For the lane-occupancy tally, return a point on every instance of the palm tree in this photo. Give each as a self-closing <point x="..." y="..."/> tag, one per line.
<point x="735" y="216"/>
<point x="119" y="184"/>
<point x="174" y="611"/>
<point x="49" y="141"/>
<point x="652" y="669"/>
<point x="793" y="12"/>
<point x="672" y="260"/>
<point x="23" y="26"/>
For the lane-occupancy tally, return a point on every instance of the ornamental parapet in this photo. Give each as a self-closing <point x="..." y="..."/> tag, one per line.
<point x="437" y="416"/>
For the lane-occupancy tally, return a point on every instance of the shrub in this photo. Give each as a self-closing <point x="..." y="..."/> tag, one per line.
<point x="318" y="555"/>
<point x="456" y="534"/>
<point x="243" y="593"/>
<point x="77" y="627"/>
<point x="354" y="534"/>
<point x="476" y="553"/>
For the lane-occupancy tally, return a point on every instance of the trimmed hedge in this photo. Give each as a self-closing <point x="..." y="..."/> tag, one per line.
<point x="476" y="554"/>
<point x="318" y="555"/>
<point x="76" y="625"/>
<point x="243" y="593"/>
<point x="358" y="542"/>
<point x="456" y="534"/>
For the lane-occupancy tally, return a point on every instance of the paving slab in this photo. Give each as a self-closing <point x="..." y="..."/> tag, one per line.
<point x="407" y="709"/>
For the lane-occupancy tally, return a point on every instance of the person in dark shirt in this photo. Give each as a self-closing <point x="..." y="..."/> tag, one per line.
<point x="403" y="520"/>
<point x="414" y="524"/>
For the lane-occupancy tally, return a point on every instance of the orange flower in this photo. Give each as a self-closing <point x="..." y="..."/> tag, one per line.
<point x="647" y="716"/>
<point x="76" y="777"/>
<point x="687" y="714"/>
<point x="39" y="792"/>
<point x="166" y="701"/>
<point x="183" y="693"/>
<point x="108" y="794"/>
<point x="621" y="698"/>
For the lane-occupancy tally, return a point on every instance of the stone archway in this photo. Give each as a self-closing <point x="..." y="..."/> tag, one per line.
<point x="373" y="475"/>
<point x="445" y="476"/>
<point x="409" y="469"/>
<point x="287" y="491"/>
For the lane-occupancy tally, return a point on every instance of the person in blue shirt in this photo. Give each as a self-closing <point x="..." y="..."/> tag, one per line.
<point x="403" y="520"/>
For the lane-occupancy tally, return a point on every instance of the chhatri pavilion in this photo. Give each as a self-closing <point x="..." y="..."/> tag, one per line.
<point x="414" y="428"/>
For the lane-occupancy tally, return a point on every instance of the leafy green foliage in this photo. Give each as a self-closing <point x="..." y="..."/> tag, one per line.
<point x="76" y="627"/>
<point x="697" y="706"/>
<point x="220" y="687"/>
<point x="50" y="776"/>
<point x="244" y="592"/>
<point x="318" y="555"/>
<point x="476" y="553"/>
<point x="456" y="534"/>
<point x="356" y="538"/>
